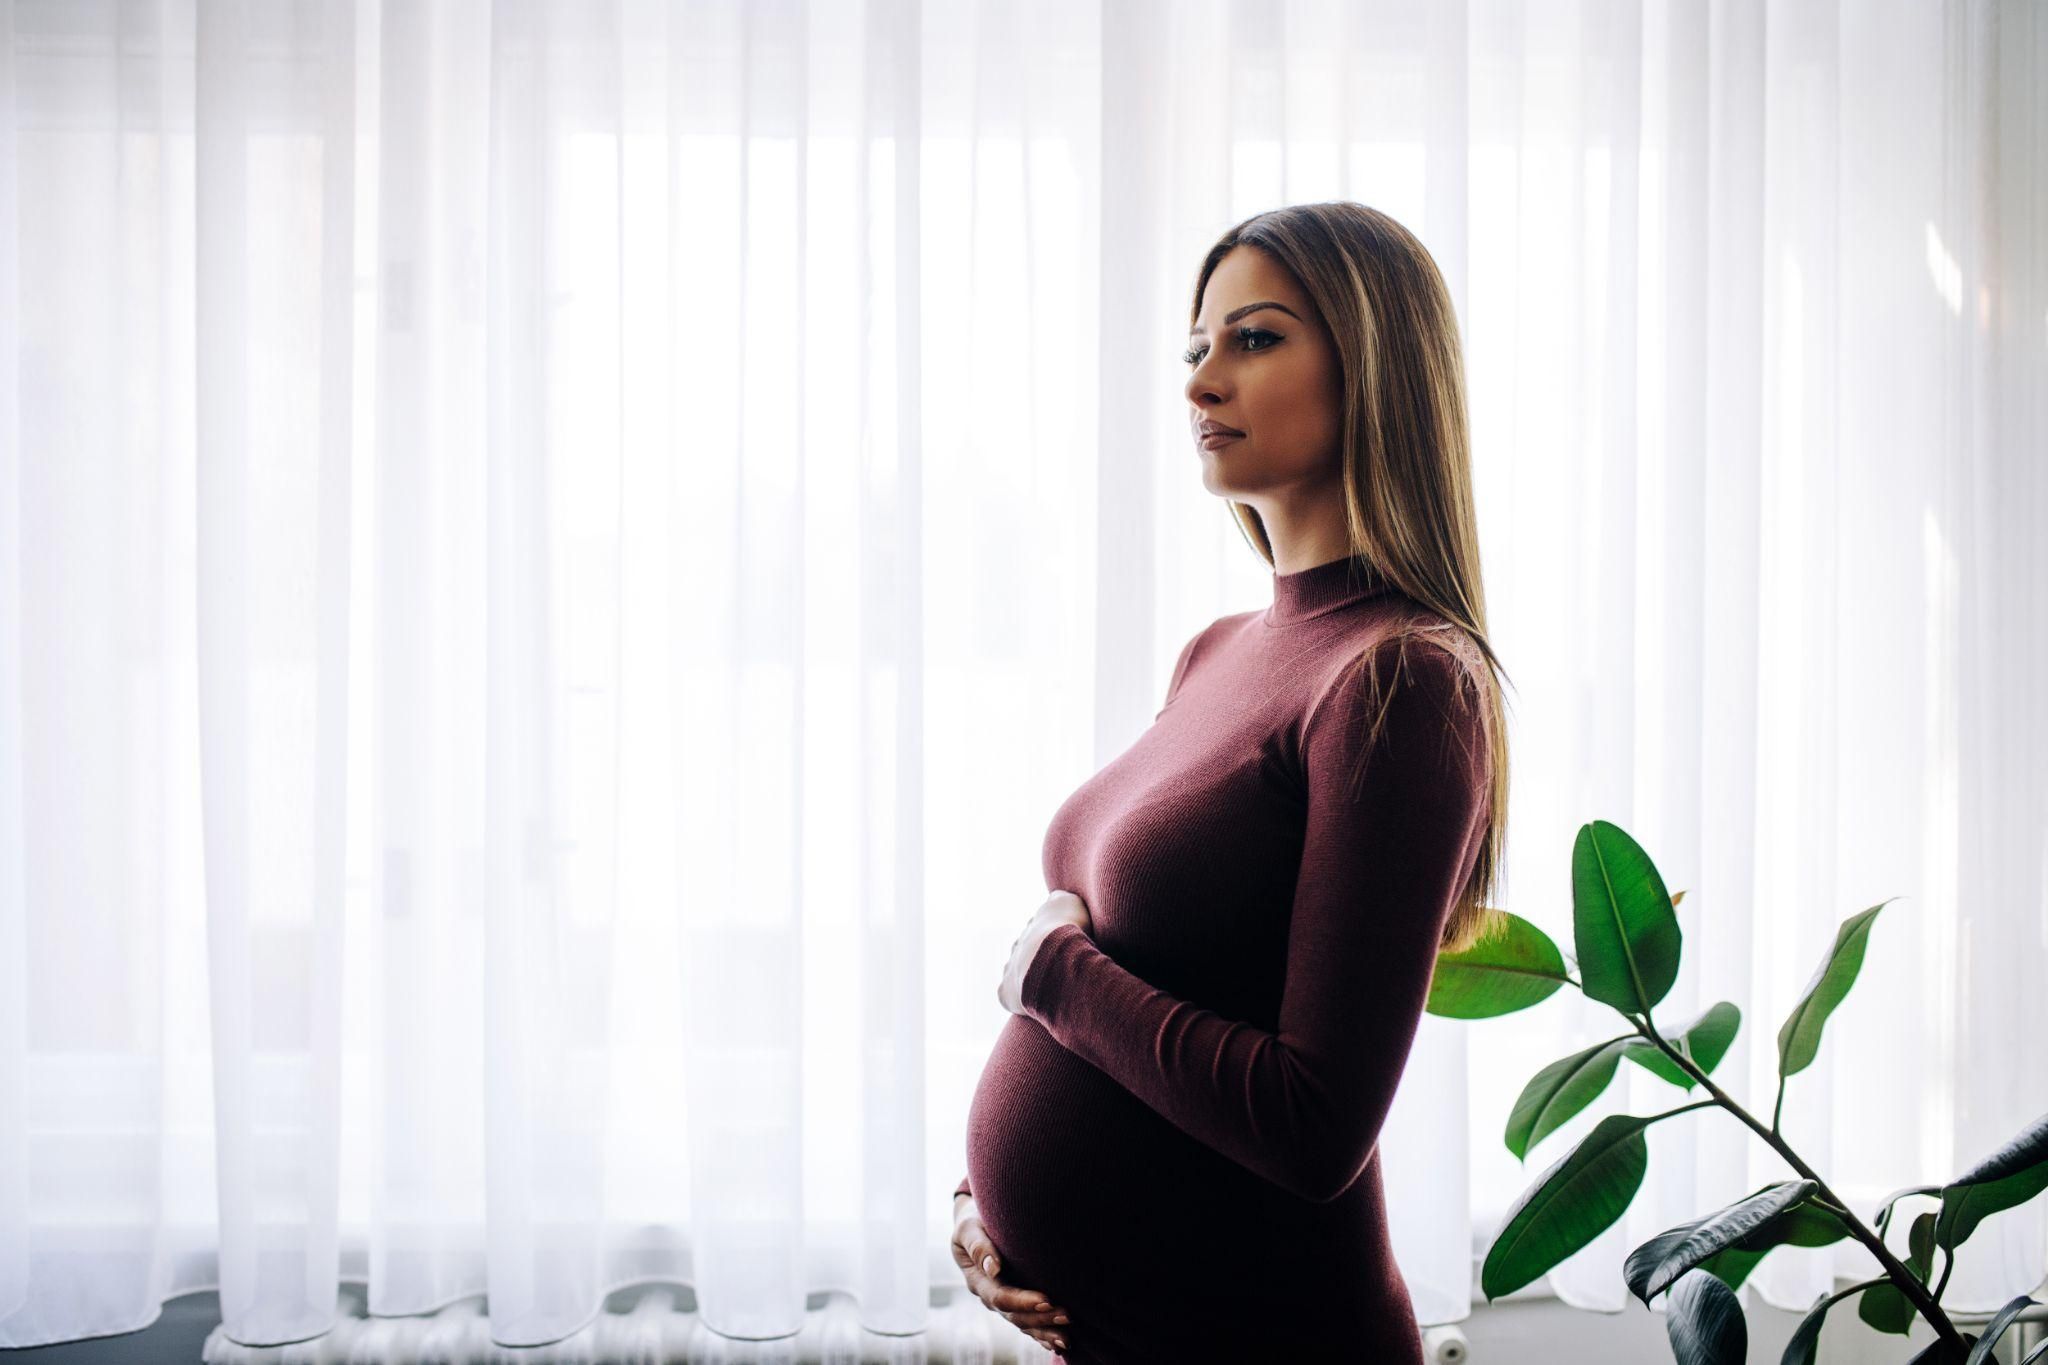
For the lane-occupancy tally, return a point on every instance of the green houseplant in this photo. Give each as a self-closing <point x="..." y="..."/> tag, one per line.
<point x="1625" y="930"/>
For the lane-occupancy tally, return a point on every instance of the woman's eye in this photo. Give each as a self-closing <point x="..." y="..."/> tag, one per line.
<point x="1244" y="338"/>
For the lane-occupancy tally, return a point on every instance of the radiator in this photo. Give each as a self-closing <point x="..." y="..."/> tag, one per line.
<point x="650" y="1330"/>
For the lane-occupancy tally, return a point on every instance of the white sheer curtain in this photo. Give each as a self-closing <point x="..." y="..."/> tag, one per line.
<point x="556" y="558"/>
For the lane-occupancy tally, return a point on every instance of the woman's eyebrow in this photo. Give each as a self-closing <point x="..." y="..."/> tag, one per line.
<point x="1237" y="313"/>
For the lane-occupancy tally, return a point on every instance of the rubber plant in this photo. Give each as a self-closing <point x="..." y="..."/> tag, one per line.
<point x="1625" y="928"/>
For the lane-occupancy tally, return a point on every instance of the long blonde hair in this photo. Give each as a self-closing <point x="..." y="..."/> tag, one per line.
<point x="1407" y="457"/>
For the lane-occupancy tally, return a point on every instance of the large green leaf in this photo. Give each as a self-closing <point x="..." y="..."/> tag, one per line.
<point x="2010" y="1176"/>
<point x="1571" y="1203"/>
<point x="1704" y="1320"/>
<point x="1920" y="1247"/>
<point x="1885" y="1309"/>
<point x="1732" y="1265"/>
<point x="1806" y="1225"/>
<point x="1511" y="969"/>
<point x="1705" y="1040"/>
<point x="1652" y="1267"/>
<point x="1995" y="1329"/>
<point x="1623" y="924"/>
<point x="1809" y="1225"/>
<point x="1559" y="1091"/>
<point x="1799" y="1039"/>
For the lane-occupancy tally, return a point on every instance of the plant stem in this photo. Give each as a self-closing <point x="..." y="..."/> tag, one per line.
<point x="1846" y="1291"/>
<point x="1684" y="1109"/>
<point x="1902" y="1278"/>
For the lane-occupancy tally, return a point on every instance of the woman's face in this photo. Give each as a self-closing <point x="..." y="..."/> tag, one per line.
<point x="1263" y="364"/>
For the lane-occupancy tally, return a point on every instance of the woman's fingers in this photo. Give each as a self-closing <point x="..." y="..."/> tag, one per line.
<point x="1029" y="1310"/>
<point x="1024" y="1305"/>
<point x="1040" y="1327"/>
<point x="1039" y="1332"/>
<point x="1046" y="1325"/>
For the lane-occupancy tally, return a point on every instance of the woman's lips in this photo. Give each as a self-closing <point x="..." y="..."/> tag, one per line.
<point x="1219" y="438"/>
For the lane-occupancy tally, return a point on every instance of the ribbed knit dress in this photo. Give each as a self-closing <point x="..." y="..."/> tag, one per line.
<point x="1177" y="1142"/>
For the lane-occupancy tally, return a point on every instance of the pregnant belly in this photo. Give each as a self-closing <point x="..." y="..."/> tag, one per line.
<point x="1059" y="1157"/>
<point x="1082" y="1187"/>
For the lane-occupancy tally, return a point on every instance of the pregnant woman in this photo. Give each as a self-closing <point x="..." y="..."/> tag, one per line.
<point x="1173" y="1153"/>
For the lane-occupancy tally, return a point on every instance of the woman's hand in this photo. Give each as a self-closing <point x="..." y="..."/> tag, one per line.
<point x="978" y="1262"/>
<point x="1061" y="907"/>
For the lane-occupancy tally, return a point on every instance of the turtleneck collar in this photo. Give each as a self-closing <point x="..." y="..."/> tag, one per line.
<point x="1323" y="588"/>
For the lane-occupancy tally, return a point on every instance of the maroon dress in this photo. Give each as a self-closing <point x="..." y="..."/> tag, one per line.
<point x="1177" y="1142"/>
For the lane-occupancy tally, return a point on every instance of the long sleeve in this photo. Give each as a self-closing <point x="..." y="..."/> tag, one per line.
<point x="1380" y="873"/>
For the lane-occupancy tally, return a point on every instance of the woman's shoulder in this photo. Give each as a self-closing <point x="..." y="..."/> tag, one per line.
<point x="1406" y="636"/>
<point x="1423" y="632"/>
<point x="1408" y="651"/>
<point x="1411" y="673"/>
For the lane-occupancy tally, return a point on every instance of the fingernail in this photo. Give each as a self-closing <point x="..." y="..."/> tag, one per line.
<point x="988" y="1263"/>
<point x="1061" y="1318"/>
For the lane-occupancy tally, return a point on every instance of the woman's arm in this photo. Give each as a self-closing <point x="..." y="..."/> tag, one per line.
<point x="1303" y="1106"/>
